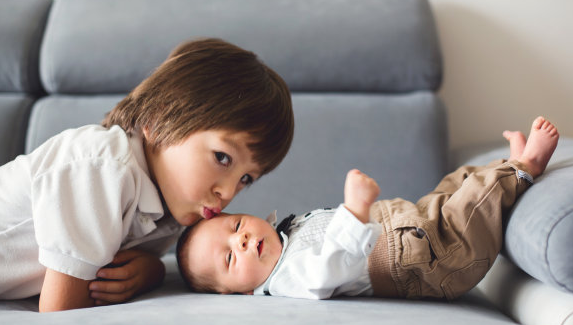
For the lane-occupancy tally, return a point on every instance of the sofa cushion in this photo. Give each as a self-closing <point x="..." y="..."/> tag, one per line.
<point x="21" y="29"/>
<point x="315" y="45"/>
<point x="539" y="232"/>
<point x="400" y="141"/>
<point x="379" y="134"/>
<point x="14" y="113"/>
<point x="54" y="114"/>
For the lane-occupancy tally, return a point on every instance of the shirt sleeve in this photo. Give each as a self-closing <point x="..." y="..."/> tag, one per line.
<point x="77" y="211"/>
<point x="316" y="273"/>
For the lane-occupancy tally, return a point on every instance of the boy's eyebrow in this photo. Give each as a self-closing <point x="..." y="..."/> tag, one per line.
<point x="236" y="147"/>
<point x="231" y="143"/>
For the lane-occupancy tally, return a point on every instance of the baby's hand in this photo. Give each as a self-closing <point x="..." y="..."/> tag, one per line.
<point x="360" y="192"/>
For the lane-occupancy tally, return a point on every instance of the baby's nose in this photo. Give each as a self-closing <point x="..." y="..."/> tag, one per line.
<point x="243" y="241"/>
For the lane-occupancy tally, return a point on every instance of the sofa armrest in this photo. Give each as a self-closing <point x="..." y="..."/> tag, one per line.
<point x="525" y="299"/>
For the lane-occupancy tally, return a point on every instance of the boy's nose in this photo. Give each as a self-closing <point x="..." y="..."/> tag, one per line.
<point x="225" y="190"/>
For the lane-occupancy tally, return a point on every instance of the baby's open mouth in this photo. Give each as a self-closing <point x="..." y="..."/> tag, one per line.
<point x="260" y="247"/>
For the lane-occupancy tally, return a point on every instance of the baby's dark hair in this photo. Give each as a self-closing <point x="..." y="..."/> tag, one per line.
<point x="210" y="84"/>
<point x="195" y="282"/>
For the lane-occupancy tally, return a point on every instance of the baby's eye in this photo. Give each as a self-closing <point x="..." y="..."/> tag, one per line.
<point x="223" y="158"/>
<point x="247" y="179"/>
<point x="237" y="227"/>
<point x="229" y="258"/>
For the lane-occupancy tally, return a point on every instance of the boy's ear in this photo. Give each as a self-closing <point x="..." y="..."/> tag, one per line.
<point x="145" y="131"/>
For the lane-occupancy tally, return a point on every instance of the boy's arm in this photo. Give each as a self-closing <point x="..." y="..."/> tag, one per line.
<point x="62" y="292"/>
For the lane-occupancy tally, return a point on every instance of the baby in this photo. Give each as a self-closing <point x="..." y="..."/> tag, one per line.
<point x="439" y="247"/>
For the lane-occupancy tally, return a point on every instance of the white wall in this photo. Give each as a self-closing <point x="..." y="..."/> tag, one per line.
<point x="505" y="61"/>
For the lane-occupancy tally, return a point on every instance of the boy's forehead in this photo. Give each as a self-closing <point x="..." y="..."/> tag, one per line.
<point x="241" y="140"/>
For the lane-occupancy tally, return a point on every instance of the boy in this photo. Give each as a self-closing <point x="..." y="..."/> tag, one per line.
<point x="209" y="121"/>
<point x="440" y="247"/>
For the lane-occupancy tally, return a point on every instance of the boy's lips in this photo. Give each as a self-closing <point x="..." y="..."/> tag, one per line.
<point x="209" y="213"/>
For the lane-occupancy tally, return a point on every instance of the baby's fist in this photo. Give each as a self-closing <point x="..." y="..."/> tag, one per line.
<point x="360" y="192"/>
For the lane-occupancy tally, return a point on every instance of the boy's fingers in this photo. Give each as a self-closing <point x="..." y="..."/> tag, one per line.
<point x="102" y="298"/>
<point x="110" y="287"/>
<point x="115" y="273"/>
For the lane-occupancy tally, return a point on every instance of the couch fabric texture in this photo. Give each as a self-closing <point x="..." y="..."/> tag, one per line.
<point x="363" y="77"/>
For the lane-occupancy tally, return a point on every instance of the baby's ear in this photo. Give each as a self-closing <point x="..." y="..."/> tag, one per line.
<point x="272" y="218"/>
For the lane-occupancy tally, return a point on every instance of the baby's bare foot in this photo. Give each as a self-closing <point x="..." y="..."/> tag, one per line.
<point x="360" y="192"/>
<point x="516" y="143"/>
<point x="539" y="146"/>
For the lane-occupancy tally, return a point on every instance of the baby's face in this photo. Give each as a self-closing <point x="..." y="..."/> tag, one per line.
<point x="238" y="251"/>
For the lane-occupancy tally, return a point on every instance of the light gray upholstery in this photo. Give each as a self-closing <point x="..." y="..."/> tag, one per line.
<point x="378" y="134"/>
<point x="56" y="113"/>
<point x="14" y="111"/>
<point x="22" y="26"/>
<point x="316" y="45"/>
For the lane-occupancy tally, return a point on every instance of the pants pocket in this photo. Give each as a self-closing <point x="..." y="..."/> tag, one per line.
<point x="463" y="280"/>
<point x="416" y="249"/>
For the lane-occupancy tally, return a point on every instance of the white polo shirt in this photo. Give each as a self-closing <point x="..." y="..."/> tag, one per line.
<point x="72" y="203"/>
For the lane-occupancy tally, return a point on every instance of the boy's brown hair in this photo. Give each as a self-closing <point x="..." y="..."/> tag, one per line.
<point x="211" y="84"/>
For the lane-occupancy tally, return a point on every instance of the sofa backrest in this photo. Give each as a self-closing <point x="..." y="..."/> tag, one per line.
<point x="22" y="26"/>
<point x="363" y="77"/>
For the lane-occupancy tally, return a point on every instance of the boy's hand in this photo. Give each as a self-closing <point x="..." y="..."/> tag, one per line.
<point x="360" y="192"/>
<point x="131" y="272"/>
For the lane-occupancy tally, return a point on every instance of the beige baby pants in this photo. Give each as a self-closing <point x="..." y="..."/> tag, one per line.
<point x="443" y="245"/>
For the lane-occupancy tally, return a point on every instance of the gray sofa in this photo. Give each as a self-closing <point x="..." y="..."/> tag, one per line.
<point x="363" y="76"/>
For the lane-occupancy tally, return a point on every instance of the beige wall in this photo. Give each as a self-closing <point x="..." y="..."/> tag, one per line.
<point x="505" y="61"/>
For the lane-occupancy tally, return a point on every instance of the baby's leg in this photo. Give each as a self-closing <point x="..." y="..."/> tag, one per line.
<point x="516" y="143"/>
<point x="539" y="147"/>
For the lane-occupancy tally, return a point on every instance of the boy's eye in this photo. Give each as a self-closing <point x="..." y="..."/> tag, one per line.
<point x="223" y="158"/>
<point x="229" y="258"/>
<point x="247" y="179"/>
<point x="237" y="227"/>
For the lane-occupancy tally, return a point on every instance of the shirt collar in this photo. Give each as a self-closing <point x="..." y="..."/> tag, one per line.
<point x="149" y="197"/>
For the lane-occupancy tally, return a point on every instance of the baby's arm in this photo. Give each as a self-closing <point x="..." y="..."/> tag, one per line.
<point x="62" y="292"/>
<point x="360" y="192"/>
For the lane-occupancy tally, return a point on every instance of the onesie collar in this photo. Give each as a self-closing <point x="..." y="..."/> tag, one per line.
<point x="264" y="289"/>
